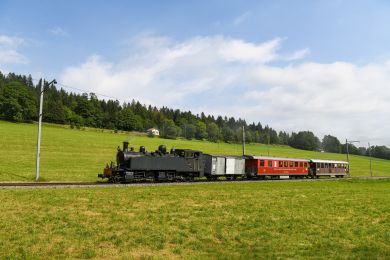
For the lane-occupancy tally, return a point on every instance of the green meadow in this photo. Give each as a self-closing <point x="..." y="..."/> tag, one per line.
<point x="343" y="219"/>
<point x="80" y="154"/>
<point x="310" y="219"/>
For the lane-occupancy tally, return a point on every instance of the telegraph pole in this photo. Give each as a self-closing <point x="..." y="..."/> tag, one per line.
<point x="369" y="152"/>
<point x="243" y="140"/>
<point x="39" y="132"/>
<point x="268" y="139"/>
<point x="346" y="143"/>
<point x="40" y="127"/>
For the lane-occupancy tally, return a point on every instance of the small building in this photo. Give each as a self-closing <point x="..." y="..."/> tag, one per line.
<point x="153" y="131"/>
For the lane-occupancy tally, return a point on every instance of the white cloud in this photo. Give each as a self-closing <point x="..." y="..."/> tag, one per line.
<point x="9" y="51"/>
<point x="229" y="76"/>
<point x="241" y="18"/>
<point x="298" y="55"/>
<point x="10" y="41"/>
<point x="8" y="56"/>
<point x="58" y="31"/>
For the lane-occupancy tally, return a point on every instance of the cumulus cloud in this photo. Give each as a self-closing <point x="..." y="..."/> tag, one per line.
<point x="58" y="31"/>
<point x="9" y="51"/>
<point x="255" y="81"/>
<point x="241" y="18"/>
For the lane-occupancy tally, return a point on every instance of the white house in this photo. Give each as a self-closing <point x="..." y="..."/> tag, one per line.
<point x="153" y="131"/>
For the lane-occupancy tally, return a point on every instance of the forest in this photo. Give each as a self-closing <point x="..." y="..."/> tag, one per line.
<point x="19" y="102"/>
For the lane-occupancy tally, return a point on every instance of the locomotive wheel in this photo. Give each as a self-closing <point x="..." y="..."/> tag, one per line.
<point x="116" y="179"/>
<point x="190" y="178"/>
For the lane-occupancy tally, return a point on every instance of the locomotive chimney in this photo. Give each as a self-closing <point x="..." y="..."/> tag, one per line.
<point x="162" y="149"/>
<point x="125" y="146"/>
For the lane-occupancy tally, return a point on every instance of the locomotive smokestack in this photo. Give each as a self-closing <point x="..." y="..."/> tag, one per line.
<point x="125" y="146"/>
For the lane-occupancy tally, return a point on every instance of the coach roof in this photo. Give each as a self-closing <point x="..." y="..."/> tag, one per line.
<point x="327" y="161"/>
<point x="276" y="158"/>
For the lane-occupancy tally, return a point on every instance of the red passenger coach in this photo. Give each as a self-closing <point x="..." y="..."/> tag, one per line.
<point x="261" y="166"/>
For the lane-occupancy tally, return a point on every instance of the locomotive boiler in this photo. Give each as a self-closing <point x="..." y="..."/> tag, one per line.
<point x="160" y="165"/>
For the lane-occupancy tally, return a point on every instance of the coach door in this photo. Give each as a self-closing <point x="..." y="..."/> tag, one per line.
<point x="230" y="165"/>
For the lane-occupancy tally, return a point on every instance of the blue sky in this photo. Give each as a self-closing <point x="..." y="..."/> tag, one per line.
<point x="252" y="59"/>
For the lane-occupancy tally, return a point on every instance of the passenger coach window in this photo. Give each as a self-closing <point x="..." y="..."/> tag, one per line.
<point x="291" y="164"/>
<point x="305" y="164"/>
<point x="285" y="164"/>
<point x="296" y="164"/>
<point x="261" y="163"/>
<point x="269" y="163"/>
<point x="301" y="164"/>
<point x="280" y="164"/>
<point x="322" y="165"/>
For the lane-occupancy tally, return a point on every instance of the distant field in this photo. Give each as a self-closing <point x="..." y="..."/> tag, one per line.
<point x="78" y="155"/>
<point x="327" y="220"/>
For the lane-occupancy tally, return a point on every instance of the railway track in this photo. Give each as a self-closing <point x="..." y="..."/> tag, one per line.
<point x="5" y="185"/>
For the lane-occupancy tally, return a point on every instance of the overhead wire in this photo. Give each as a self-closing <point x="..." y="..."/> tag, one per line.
<point x="86" y="91"/>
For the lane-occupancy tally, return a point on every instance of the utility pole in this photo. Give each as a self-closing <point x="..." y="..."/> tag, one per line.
<point x="268" y="139"/>
<point x="243" y="140"/>
<point x="39" y="132"/>
<point x="40" y="127"/>
<point x="346" y="143"/>
<point x="369" y="152"/>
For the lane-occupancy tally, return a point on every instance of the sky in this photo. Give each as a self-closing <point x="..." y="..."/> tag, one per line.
<point x="322" y="66"/>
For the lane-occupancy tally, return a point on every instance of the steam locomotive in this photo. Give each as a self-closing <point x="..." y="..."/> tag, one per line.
<point x="187" y="164"/>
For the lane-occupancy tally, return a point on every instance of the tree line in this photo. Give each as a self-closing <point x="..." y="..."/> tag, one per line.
<point x="19" y="102"/>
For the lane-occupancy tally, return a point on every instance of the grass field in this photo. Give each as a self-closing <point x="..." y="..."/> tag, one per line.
<point x="78" y="155"/>
<point x="321" y="220"/>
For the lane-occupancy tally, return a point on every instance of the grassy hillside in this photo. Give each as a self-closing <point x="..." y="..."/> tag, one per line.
<point x="316" y="220"/>
<point x="78" y="155"/>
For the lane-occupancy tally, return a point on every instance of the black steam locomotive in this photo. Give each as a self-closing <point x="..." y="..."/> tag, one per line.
<point x="186" y="164"/>
<point x="175" y="165"/>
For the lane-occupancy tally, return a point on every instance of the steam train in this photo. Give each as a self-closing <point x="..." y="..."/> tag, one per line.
<point x="187" y="164"/>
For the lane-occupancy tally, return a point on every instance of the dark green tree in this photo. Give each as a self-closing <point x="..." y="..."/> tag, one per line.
<point x="170" y="130"/>
<point x="227" y="134"/>
<point x="128" y="121"/>
<point x="305" y="140"/>
<point x="188" y="131"/>
<point x="213" y="132"/>
<point x="200" y="130"/>
<point x="331" y="144"/>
